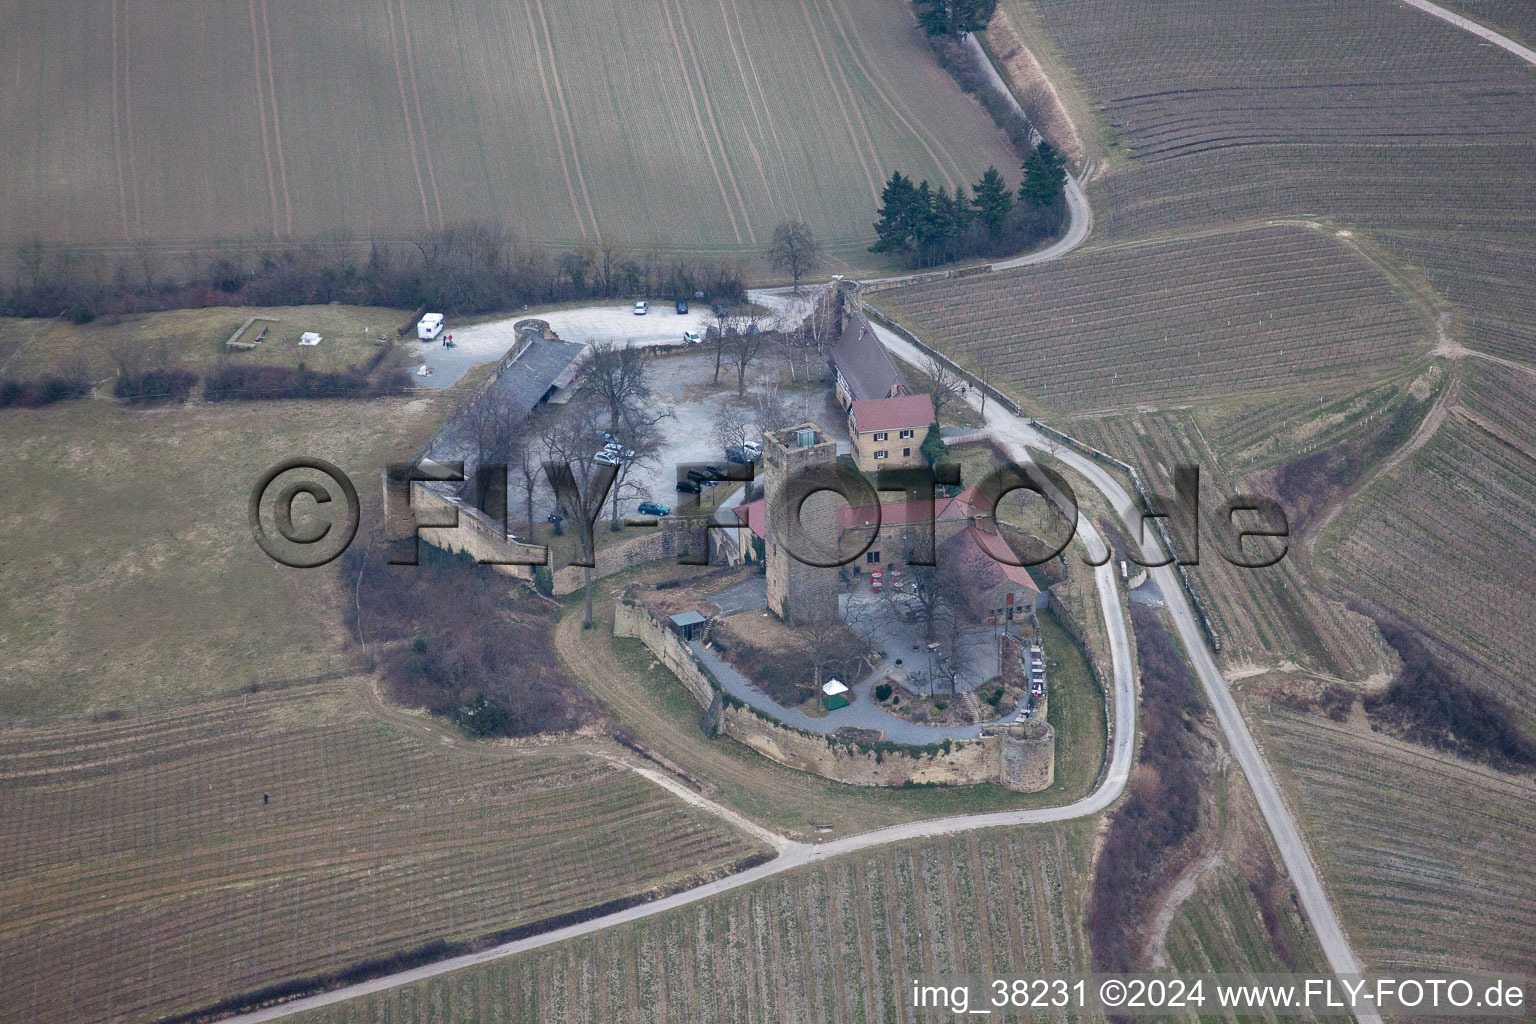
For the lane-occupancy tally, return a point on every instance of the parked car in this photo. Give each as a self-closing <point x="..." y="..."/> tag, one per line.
<point x="716" y="473"/>
<point x="744" y="453"/>
<point x="618" y="451"/>
<point x="554" y="517"/>
<point x="641" y="308"/>
<point x="607" y="437"/>
<point x="606" y="458"/>
<point x="682" y="307"/>
<point x="651" y="508"/>
<point x="688" y="486"/>
<point x="698" y="477"/>
<point x="692" y="338"/>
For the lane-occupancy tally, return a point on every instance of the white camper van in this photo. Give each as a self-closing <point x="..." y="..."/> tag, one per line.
<point x="429" y="327"/>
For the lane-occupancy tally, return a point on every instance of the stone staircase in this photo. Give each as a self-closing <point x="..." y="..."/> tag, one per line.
<point x="972" y="705"/>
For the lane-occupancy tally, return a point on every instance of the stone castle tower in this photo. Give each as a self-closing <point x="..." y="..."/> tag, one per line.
<point x="797" y="592"/>
<point x="1028" y="756"/>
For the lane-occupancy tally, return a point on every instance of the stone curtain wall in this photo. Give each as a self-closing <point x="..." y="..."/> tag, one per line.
<point x="1024" y="764"/>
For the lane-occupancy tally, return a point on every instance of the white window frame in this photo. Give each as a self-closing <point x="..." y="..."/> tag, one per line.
<point x="907" y="433"/>
<point x="882" y="435"/>
<point x="882" y="454"/>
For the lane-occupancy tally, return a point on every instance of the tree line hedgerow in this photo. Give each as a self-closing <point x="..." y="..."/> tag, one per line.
<point x="926" y="226"/>
<point x="1163" y="809"/>
<point x="465" y="269"/>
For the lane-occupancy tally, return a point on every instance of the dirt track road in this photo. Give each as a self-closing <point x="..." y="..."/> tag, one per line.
<point x="1525" y="53"/>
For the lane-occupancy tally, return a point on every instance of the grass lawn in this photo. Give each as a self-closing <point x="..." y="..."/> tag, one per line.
<point x="194" y="338"/>
<point x="1075" y="711"/>
<point x="646" y="698"/>
<point x="129" y="571"/>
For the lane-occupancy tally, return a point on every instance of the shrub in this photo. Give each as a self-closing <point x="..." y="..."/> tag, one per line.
<point x="155" y="386"/>
<point x="883" y="692"/>
<point x="257" y="383"/>
<point x="1429" y="705"/>
<point x="500" y="678"/>
<point x="1163" y="808"/>
<point x="33" y="394"/>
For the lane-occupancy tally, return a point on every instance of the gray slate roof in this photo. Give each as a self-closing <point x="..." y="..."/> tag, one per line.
<point x="864" y="363"/>
<point x="540" y="367"/>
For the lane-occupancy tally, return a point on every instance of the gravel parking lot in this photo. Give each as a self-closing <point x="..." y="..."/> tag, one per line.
<point x="486" y="343"/>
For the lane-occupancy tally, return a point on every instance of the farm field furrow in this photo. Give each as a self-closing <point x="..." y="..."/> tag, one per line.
<point x="1267" y="614"/>
<point x="1461" y="505"/>
<point x="1376" y="117"/>
<point x="1257" y="311"/>
<point x="840" y="941"/>
<point x="693" y="124"/>
<point x="163" y="861"/>
<point x="1513" y="18"/>
<point x="1427" y="855"/>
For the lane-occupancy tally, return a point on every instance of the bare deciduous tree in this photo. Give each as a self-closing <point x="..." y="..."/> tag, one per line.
<point x="580" y="484"/>
<point x="770" y="411"/>
<point x="943" y="382"/>
<point x="744" y="339"/>
<point x="794" y="250"/>
<point x="492" y="429"/>
<point x="732" y="427"/>
<point x="616" y="377"/>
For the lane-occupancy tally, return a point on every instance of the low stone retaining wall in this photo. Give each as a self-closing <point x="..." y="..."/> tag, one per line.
<point x="1020" y="757"/>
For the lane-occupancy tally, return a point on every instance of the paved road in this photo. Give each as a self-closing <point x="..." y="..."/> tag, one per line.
<point x="1017" y="434"/>
<point x="791" y="854"/>
<point x="1525" y="53"/>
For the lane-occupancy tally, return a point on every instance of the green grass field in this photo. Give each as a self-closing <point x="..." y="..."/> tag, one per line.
<point x="696" y="124"/>
<point x="131" y="574"/>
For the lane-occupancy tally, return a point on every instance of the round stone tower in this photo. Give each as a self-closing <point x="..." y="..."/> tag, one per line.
<point x="1028" y="756"/>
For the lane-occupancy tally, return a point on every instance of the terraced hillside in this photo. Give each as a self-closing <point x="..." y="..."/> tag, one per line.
<point x="694" y="124"/>
<point x="1428" y="855"/>
<point x="841" y="941"/>
<point x="1268" y="614"/>
<point x="1264" y="311"/>
<point x="1445" y="539"/>
<point x="1374" y="116"/>
<point x="162" y="861"/>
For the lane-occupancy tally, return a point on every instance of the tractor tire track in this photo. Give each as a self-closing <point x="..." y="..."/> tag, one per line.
<point x="570" y="126"/>
<point x="853" y="139"/>
<point x="133" y="163"/>
<point x="857" y="107"/>
<point x="554" y="120"/>
<point x="261" y="107"/>
<point x="714" y="124"/>
<point x="405" y="110"/>
<point x="421" y="122"/>
<point x="741" y="72"/>
<point x="876" y="78"/>
<point x="117" y="132"/>
<point x="773" y="130"/>
<point x="698" y="121"/>
<point x="277" y="128"/>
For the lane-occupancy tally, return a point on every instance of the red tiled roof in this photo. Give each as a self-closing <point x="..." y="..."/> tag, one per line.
<point x="903" y="412"/>
<point x="985" y="560"/>
<point x="965" y="505"/>
<point x="753" y="515"/>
